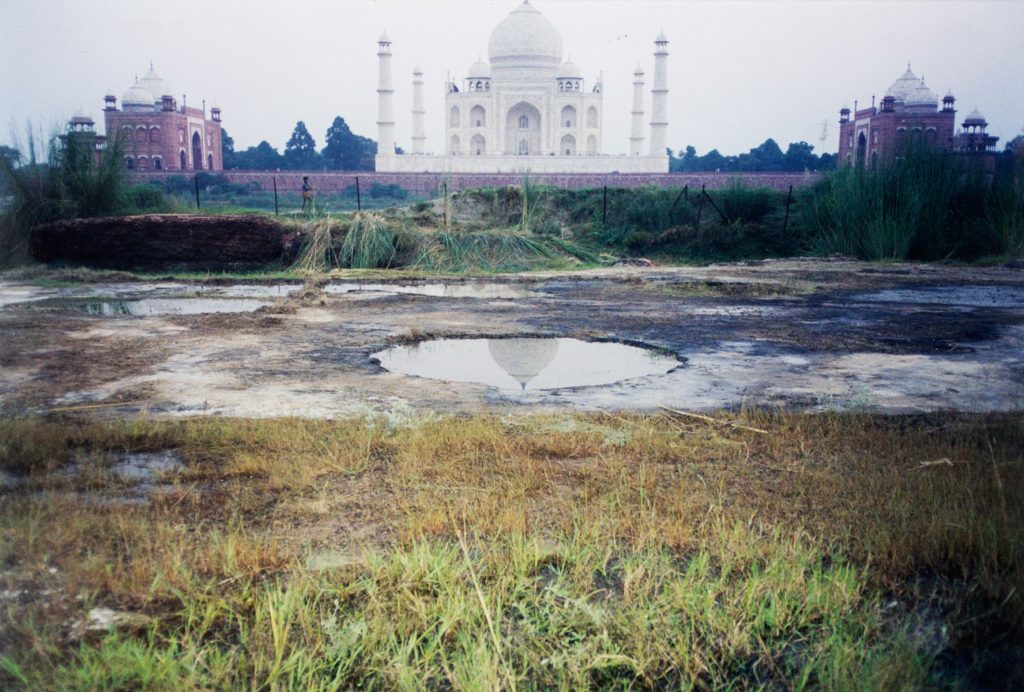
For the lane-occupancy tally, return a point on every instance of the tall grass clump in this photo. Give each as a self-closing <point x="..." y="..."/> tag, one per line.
<point x="498" y="251"/>
<point x="530" y="199"/>
<point x="926" y="205"/>
<point x="318" y="254"/>
<point x="370" y="243"/>
<point x="68" y="184"/>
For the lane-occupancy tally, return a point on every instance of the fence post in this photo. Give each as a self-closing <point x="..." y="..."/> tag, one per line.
<point x="276" y="212"/>
<point x="196" y="179"/>
<point x="789" y="201"/>
<point x="604" y="206"/>
<point x="359" y="199"/>
<point x="700" y="205"/>
<point x="725" y="219"/>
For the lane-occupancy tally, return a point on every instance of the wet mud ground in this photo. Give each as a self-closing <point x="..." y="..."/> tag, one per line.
<point x="797" y="334"/>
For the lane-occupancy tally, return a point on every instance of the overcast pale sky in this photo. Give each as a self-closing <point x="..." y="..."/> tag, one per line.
<point x="739" y="71"/>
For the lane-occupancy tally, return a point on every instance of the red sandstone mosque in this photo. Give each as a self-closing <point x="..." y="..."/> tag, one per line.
<point x="155" y="133"/>
<point x="910" y="115"/>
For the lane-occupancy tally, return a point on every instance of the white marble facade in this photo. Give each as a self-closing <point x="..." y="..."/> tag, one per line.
<point x="524" y="110"/>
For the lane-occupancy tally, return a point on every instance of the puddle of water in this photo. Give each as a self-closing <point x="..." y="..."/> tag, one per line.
<point x="454" y="290"/>
<point x="970" y="296"/>
<point x="147" y="467"/>
<point x="250" y="290"/>
<point x="144" y="472"/>
<point x="173" y="306"/>
<point x="528" y="363"/>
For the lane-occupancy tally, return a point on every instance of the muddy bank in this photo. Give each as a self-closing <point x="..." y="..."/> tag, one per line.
<point x="800" y="334"/>
<point x="166" y="241"/>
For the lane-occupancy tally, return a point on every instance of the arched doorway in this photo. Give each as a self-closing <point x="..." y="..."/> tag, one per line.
<point x="209" y="162"/>
<point x="568" y="117"/>
<point x="478" y="117"/>
<point x="184" y="160"/>
<point x="591" y="144"/>
<point x="568" y="146"/>
<point x="197" y="151"/>
<point x="591" y="117"/>
<point x="456" y="146"/>
<point x="478" y="145"/>
<point x="522" y="130"/>
<point x="862" y="148"/>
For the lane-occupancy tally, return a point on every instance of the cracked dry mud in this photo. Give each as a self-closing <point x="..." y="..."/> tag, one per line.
<point x="802" y="334"/>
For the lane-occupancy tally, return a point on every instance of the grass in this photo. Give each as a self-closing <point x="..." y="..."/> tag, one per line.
<point x="540" y="551"/>
<point x="923" y="206"/>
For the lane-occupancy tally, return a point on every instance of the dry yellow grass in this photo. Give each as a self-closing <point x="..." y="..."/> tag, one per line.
<point x="923" y="508"/>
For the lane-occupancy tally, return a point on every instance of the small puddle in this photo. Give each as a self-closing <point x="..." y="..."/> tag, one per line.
<point x="455" y="290"/>
<point x="173" y="306"/>
<point x="526" y="363"/>
<point x="969" y="296"/>
<point x="251" y="290"/>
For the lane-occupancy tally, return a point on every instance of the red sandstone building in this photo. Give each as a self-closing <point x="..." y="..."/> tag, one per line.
<point x="158" y="135"/>
<point x="910" y="115"/>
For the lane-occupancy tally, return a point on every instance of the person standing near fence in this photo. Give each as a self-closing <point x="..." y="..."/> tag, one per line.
<point x="307" y="194"/>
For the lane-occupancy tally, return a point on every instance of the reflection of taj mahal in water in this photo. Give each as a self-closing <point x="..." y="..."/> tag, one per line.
<point x="523" y="358"/>
<point x="524" y="110"/>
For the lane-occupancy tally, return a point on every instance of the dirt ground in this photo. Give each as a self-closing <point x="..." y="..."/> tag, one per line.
<point x="801" y="334"/>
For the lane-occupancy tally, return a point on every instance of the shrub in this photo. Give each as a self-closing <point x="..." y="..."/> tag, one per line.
<point x="638" y="240"/>
<point x="747" y="204"/>
<point x="67" y="186"/>
<point x="146" y="198"/>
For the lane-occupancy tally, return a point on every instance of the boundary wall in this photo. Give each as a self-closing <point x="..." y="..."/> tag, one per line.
<point x="427" y="183"/>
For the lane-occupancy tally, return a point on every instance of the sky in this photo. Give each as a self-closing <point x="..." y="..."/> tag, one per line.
<point x="739" y="71"/>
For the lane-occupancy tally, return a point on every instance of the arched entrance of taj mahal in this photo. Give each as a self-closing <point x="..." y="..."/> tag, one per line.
<point x="522" y="130"/>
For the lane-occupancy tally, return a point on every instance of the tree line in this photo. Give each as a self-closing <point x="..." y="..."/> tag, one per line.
<point x="768" y="156"/>
<point x="343" y="151"/>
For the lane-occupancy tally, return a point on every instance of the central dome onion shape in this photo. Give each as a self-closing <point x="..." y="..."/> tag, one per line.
<point x="525" y="42"/>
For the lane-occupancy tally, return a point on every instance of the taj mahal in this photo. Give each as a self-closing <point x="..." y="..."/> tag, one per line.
<point x="525" y="110"/>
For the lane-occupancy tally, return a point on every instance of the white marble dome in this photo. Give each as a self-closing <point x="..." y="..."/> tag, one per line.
<point x="479" y="70"/>
<point x="569" y="70"/>
<point x="138" y="95"/>
<point x="903" y="87"/>
<point x="525" y="36"/>
<point x="155" y="84"/>
<point x="922" y="96"/>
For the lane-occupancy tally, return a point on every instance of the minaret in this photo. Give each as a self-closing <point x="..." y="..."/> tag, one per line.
<point x="419" y="137"/>
<point x="659" y="97"/>
<point x="636" y="135"/>
<point x="385" y="103"/>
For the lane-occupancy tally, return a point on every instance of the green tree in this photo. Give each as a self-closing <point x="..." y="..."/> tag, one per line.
<point x="261" y="157"/>
<point x="800" y="156"/>
<point x="227" y="147"/>
<point x="346" y="151"/>
<point x="300" y="151"/>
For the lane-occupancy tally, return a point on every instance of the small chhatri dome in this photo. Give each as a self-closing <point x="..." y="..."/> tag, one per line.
<point x="975" y="118"/>
<point x="569" y="70"/>
<point x="81" y="117"/>
<point x="639" y="70"/>
<point x="903" y="87"/>
<point x="137" y="95"/>
<point x="921" y="96"/>
<point x="384" y="37"/>
<point x="479" y="70"/>
<point x="155" y="84"/>
<point x="662" y="38"/>
<point x="525" y="37"/>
